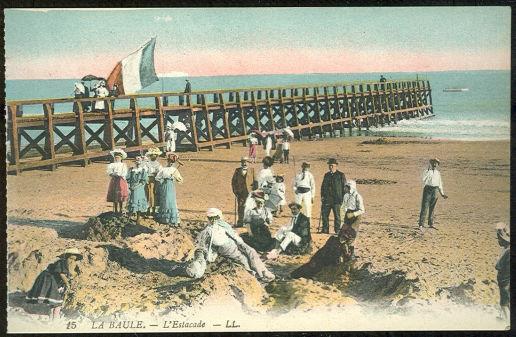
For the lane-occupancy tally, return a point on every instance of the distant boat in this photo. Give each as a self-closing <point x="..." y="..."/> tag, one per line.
<point x="455" y="89"/>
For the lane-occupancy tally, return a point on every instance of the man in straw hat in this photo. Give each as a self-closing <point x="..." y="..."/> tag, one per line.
<point x="332" y="194"/>
<point x="118" y="190"/>
<point x="153" y="166"/>
<point x="242" y="183"/>
<point x="218" y="238"/>
<point x="304" y="189"/>
<point x="295" y="237"/>
<point x="433" y="184"/>
<point x="503" y="266"/>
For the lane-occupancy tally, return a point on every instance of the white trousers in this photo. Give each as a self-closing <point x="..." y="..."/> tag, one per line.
<point x="305" y="200"/>
<point x="287" y="237"/>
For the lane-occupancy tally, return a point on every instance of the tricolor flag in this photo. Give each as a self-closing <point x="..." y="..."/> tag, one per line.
<point x="136" y="71"/>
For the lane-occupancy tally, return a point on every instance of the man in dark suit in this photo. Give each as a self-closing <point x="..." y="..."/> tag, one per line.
<point x="294" y="238"/>
<point x="242" y="183"/>
<point x="332" y="194"/>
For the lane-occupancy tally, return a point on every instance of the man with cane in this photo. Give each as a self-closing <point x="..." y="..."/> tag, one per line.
<point x="242" y="183"/>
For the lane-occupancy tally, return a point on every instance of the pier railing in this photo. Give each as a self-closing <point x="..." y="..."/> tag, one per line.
<point x="71" y="130"/>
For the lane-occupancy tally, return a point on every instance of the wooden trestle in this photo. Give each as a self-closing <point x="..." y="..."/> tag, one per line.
<point x="213" y="118"/>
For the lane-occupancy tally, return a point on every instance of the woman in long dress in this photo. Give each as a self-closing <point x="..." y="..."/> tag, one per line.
<point x="167" y="178"/>
<point x="101" y="91"/>
<point x="118" y="190"/>
<point x="153" y="166"/>
<point x="52" y="283"/>
<point x="137" y="179"/>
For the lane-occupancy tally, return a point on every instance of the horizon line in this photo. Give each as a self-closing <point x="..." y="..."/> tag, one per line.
<point x="270" y="74"/>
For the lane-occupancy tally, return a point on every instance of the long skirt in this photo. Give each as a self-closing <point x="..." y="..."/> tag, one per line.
<point x="252" y="151"/>
<point x="137" y="200"/>
<point x="118" y="191"/>
<point x="168" y="212"/>
<point x="278" y="154"/>
<point x="46" y="289"/>
<point x="150" y="191"/>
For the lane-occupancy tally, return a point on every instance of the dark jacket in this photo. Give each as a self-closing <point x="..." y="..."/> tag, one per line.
<point x="332" y="188"/>
<point x="243" y="185"/>
<point x="301" y="228"/>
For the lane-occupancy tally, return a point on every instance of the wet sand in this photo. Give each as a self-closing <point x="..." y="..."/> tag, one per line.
<point x="456" y="261"/>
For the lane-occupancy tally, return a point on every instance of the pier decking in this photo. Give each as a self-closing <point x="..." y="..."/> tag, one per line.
<point x="213" y="118"/>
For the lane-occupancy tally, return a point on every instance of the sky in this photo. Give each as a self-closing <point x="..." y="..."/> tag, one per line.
<point x="45" y="44"/>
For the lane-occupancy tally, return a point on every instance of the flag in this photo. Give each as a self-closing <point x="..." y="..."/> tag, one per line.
<point x="136" y="71"/>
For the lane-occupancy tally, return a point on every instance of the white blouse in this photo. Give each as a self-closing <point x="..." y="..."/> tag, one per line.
<point x="117" y="169"/>
<point x="169" y="172"/>
<point x="153" y="167"/>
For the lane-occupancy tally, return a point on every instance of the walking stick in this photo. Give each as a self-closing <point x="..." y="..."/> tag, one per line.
<point x="320" y="217"/>
<point x="235" y="210"/>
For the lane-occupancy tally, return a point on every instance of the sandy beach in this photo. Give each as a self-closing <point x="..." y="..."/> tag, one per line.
<point x="453" y="263"/>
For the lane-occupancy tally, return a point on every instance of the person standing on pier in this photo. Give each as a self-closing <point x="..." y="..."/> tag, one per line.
<point x="101" y="91"/>
<point x="188" y="87"/>
<point x="351" y="210"/>
<point x="118" y="190"/>
<point x="433" y="184"/>
<point x="242" y="183"/>
<point x="304" y="189"/>
<point x="167" y="178"/>
<point x="137" y="179"/>
<point x="332" y="194"/>
<point x="153" y="166"/>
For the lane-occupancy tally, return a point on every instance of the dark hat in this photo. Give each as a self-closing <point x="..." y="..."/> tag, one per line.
<point x="172" y="157"/>
<point x="332" y="161"/>
<point x="258" y="195"/>
<point x="305" y="164"/>
<point x="268" y="161"/>
<point x="280" y="176"/>
<point x="435" y="160"/>
<point x="347" y="233"/>
<point x="295" y="204"/>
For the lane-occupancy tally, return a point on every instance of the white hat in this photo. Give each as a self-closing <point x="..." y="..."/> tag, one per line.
<point x="153" y="151"/>
<point x="119" y="151"/>
<point x="352" y="184"/>
<point x="503" y="231"/>
<point x="211" y="212"/>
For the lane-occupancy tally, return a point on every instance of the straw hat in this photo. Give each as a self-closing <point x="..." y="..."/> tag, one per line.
<point x="246" y="159"/>
<point x="305" y="164"/>
<point x="171" y="156"/>
<point x="72" y="251"/>
<point x="435" y="160"/>
<point x="292" y="204"/>
<point x="153" y="151"/>
<point x="503" y="231"/>
<point x="118" y="152"/>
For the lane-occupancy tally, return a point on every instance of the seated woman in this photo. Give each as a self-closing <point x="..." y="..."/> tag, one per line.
<point x="294" y="238"/>
<point x="257" y="221"/>
<point x="219" y="238"/>
<point x="335" y="251"/>
<point x="52" y="283"/>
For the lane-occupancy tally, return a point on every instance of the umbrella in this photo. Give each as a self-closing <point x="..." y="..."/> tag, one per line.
<point x="92" y="78"/>
<point x="288" y="132"/>
<point x="179" y="126"/>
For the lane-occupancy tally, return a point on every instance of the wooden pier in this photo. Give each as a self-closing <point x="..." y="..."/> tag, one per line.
<point x="213" y="118"/>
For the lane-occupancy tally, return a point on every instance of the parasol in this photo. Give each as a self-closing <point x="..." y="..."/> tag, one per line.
<point x="92" y="78"/>
<point x="179" y="126"/>
<point x="288" y="131"/>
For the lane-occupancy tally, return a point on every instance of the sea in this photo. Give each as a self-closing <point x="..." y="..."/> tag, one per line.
<point x="480" y="113"/>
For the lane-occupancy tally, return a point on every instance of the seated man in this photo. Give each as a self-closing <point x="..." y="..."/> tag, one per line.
<point x="295" y="237"/>
<point x="257" y="221"/>
<point x="219" y="238"/>
<point x="337" y="250"/>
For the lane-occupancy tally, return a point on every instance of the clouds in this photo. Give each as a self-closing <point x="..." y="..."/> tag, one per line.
<point x="163" y="18"/>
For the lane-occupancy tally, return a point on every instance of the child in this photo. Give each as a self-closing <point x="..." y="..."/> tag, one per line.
<point x="277" y="196"/>
<point x="253" y="143"/>
<point x="153" y="166"/>
<point x="118" y="190"/>
<point x="286" y="149"/>
<point x="137" y="179"/>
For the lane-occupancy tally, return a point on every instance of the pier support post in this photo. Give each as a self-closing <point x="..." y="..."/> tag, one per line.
<point x="15" y="145"/>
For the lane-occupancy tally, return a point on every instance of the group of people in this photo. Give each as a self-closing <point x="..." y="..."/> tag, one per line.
<point x="99" y="90"/>
<point x="270" y="141"/>
<point x="145" y="186"/>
